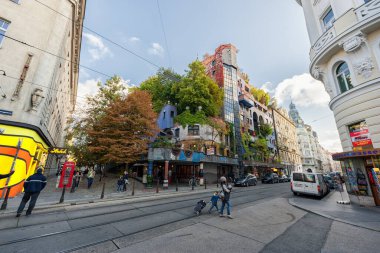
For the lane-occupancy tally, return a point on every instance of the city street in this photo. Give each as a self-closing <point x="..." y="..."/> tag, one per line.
<point x="263" y="221"/>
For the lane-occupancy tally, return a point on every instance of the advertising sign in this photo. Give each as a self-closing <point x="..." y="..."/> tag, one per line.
<point x="210" y="151"/>
<point x="67" y="174"/>
<point x="58" y="151"/>
<point x="359" y="134"/>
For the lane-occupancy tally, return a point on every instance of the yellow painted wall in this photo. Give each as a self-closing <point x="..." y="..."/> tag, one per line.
<point x="32" y="154"/>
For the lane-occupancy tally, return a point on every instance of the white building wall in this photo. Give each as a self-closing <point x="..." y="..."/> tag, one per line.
<point x="36" y="25"/>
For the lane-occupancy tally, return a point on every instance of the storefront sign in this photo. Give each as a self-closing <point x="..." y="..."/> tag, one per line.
<point x="211" y="151"/>
<point x="67" y="175"/>
<point x="340" y="156"/>
<point x="359" y="134"/>
<point x="58" y="151"/>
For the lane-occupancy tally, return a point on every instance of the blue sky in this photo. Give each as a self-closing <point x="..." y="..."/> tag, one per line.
<point x="271" y="37"/>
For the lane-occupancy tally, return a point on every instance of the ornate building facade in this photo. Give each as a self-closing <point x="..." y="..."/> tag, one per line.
<point x="39" y="69"/>
<point x="345" y="56"/>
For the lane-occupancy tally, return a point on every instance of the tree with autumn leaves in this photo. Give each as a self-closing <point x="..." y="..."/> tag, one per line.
<point x="114" y="127"/>
<point x="125" y="130"/>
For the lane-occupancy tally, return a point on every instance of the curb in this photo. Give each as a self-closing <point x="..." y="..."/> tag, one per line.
<point x="291" y="202"/>
<point x="129" y="199"/>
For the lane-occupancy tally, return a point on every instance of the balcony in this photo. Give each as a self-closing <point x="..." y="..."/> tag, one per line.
<point x="364" y="14"/>
<point x="245" y="100"/>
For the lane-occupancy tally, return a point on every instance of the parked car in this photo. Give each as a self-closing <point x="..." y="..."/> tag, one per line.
<point x="308" y="183"/>
<point x="330" y="182"/>
<point x="284" y="178"/>
<point x="246" y="180"/>
<point x="270" y="178"/>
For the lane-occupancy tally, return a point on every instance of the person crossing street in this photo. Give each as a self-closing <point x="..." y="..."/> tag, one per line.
<point x="32" y="187"/>
<point x="226" y="190"/>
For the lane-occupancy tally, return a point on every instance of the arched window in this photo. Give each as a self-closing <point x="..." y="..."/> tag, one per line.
<point x="344" y="77"/>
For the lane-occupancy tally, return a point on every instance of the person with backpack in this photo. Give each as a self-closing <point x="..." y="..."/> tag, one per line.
<point x="225" y="197"/>
<point x="90" y="177"/>
<point x="33" y="185"/>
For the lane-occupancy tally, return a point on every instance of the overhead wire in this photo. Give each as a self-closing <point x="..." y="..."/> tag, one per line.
<point x="102" y="36"/>
<point x="163" y="31"/>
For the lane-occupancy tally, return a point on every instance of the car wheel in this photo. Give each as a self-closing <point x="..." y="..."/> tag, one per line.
<point x="254" y="183"/>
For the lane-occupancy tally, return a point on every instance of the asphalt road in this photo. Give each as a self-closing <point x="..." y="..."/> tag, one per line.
<point x="80" y="227"/>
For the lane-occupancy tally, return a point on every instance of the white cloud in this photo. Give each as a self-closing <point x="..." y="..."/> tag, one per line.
<point x="88" y="88"/>
<point x="156" y="49"/>
<point x="329" y="139"/>
<point x="303" y="90"/>
<point x="267" y="87"/>
<point x="134" y="39"/>
<point x="97" y="49"/>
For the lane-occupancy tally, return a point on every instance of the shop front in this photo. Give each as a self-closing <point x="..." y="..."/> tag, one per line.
<point x="362" y="175"/>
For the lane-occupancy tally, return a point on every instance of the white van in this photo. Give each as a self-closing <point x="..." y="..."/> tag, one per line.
<point x="308" y="183"/>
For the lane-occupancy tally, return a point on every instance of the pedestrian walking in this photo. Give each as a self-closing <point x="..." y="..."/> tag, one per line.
<point x="226" y="192"/>
<point x="125" y="177"/>
<point x="76" y="178"/>
<point x="214" y="202"/>
<point x="32" y="187"/>
<point x="90" y="177"/>
<point x="120" y="184"/>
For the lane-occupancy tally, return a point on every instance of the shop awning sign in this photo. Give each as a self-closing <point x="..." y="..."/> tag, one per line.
<point x="58" y="151"/>
<point x="360" y="135"/>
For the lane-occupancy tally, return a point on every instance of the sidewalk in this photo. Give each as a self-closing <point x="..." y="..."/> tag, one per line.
<point x="365" y="217"/>
<point x="50" y="196"/>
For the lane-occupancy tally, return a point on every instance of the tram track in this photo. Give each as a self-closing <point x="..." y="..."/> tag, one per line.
<point x="238" y="195"/>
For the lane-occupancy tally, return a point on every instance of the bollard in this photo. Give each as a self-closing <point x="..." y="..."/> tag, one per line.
<point x="133" y="187"/>
<point x="192" y="184"/>
<point x="73" y="186"/>
<point x="217" y="185"/>
<point x="176" y="184"/>
<point x="102" y="195"/>
<point x="205" y="184"/>
<point x="63" y="194"/>
<point x="158" y="181"/>
<point x="5" y="202"/>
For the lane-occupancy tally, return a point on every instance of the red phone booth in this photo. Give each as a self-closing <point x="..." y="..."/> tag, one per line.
<point x="67" y="174"/>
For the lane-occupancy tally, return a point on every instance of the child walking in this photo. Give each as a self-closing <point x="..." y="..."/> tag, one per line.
<point x="214" y="202"/>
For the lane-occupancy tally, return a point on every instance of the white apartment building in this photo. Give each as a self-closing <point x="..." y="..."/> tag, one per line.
<point x="39" y="68"/>
<point x="345" y="56"/>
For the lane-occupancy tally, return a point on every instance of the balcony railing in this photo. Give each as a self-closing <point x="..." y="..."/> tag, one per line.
<point x="366" y="11"/>
<point x="246" y="101"/>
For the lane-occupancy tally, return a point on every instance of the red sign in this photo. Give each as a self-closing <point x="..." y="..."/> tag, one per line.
<point x="359" y="134"/>
<point x="67" y="174"/>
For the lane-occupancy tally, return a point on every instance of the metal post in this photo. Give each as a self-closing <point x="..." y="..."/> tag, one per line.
<point x="205" y="183"/>
<point x="193" y="181"/>
<point x="158" y="181"/>
<point x="133" y="187"/>
<point x="63" y="194"/>
<point x="5" y="202"/>
<point x="73" y="185"/>
<point x="176" y="178"/>
<point x="102" y="195"/>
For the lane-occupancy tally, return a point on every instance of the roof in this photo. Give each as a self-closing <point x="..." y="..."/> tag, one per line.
<point x="299" y="2"/>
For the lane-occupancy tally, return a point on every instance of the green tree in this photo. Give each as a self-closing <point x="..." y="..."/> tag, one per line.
<point x="160" y="87"/>
<point x="260" y="95"/>
<point x="265" y="130"/>
<point x="197" y="89"/>
<point x="260" y="147"/>
<point x="84" y="118"/>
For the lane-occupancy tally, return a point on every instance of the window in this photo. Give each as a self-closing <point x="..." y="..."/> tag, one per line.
<point x="3" y="28"/>
<point x="328" y="19"/>
<point x="171" y="114"/>
<point x="16" y="1"/>
<point x="366" y="1"/>
<point x="176" y="132"/>
<point x="310" y="178"/>
<point x="298" y="177"/>
<point x="193" y="130"/>
<point x="344" y="77"/>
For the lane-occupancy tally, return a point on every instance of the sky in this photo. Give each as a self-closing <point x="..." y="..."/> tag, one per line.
<point x="271" y="37"/>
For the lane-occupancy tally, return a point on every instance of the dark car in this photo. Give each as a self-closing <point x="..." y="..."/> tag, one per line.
<point x="330" y="182"/>
<point x="284" y="178"/>
<point x="270" y="178"/>
<point x="246" y="180"/>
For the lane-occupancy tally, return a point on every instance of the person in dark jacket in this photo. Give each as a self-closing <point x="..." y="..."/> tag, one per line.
<point x="6" y="175"/>
<point x="32" y="187"/>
